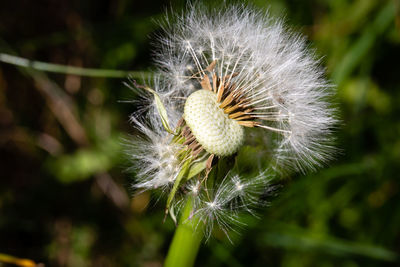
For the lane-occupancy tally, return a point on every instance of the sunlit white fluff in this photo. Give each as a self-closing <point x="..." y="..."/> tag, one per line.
<point x="223" y="204"/>
<point x="273" y="71"/>
<point x="154" y="156"/>
<point x="277" y="74"/>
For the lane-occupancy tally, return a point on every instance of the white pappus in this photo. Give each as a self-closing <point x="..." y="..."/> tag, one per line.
<point x="221" y="73"/>
<point x="276" y="79"/>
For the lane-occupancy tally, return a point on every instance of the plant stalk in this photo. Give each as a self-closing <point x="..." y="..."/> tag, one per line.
<point x="186" y="241"/>
<point x="65" y="69"/>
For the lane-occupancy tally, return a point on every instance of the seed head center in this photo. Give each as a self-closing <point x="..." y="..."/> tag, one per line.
<point x="213" y="129"/>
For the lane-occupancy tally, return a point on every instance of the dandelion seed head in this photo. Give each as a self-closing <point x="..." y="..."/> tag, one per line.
<point x="222" y="73"/>
<point x="267" y="67"/>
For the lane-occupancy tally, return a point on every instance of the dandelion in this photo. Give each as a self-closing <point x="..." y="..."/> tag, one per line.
<point x="222" y="74"/>
<point x="247" y="70"/>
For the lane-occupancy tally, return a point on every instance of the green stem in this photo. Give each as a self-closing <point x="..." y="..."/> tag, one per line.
<point x="186" y="242"/>
<point x="57" y="68"/>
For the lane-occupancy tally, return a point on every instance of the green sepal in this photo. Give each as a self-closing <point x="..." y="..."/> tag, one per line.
<point x="184" y="170"/>
<point x="196" y="168"/>
<point x="172" y="214"/>
<point x="161" y="110"/>
<point x="187" y="172"/>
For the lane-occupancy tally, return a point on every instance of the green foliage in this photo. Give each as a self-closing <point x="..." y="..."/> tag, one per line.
<point x="84" y="163"/>
<point x="64" y="197"/>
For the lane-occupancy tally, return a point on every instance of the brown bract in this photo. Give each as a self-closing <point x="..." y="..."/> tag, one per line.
<point x="231" y="99"/>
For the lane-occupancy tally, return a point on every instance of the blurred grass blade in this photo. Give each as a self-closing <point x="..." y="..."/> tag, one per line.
<point x="291" y="237"/>
<point x="364" y="44"/>
<point x="61" y="105"/>
<point x="57" y="68"/>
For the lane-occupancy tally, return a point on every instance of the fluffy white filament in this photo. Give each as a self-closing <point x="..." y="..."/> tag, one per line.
<point x="273" y="72"/>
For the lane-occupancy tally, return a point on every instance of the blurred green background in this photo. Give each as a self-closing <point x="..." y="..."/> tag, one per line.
<point x="65" y="197"/>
